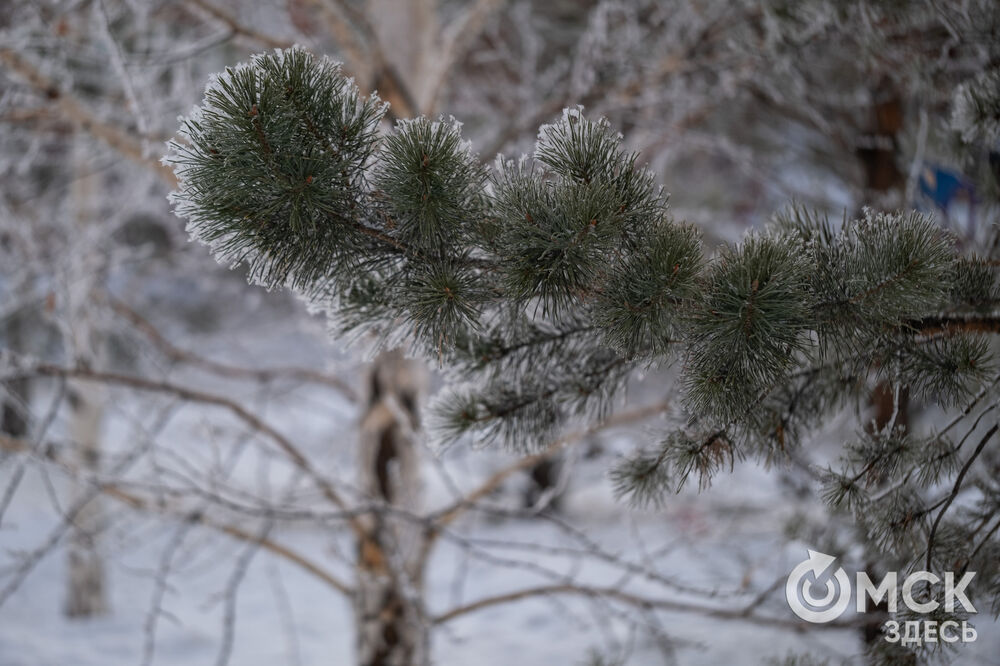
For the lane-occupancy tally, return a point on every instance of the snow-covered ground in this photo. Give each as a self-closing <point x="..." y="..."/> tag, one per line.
<point x="729" y="540"/>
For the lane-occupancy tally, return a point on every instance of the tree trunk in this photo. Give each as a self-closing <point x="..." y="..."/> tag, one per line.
<point x="14" y="393"/>
<point x="543" y="481"/>
<point x="86" y="595"/>
<point x="391" y="621"/>
<point x="885" y="184"/>
<point x="884" y="181"/>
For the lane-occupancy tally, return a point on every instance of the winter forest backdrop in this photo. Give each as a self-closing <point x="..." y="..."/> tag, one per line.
<point x="198" y="470"/>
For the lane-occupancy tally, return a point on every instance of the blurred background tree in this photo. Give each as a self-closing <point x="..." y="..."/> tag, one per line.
<point x="737" y="107"/>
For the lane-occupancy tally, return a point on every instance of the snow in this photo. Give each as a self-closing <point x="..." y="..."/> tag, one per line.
<point x="728" y="540"/>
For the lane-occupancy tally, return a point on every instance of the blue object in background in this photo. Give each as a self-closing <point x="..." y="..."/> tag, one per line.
<point x="946" y="190"/>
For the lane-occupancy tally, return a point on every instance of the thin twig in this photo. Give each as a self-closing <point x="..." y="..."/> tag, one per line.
<point x="136" y="502"/>
<point x="955" y="490"/>
<point x="237" y="28"/>
<point x="645" y="603"/>
<point x="76" y="112"/>
<point x="191" y="395"/>
<point x="177" y="354"/>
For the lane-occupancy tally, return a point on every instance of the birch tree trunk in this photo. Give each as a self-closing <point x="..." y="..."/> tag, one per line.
<point x="391" y="622"/>
<point x="86" y="595"/>
<point x="406" y="33"/>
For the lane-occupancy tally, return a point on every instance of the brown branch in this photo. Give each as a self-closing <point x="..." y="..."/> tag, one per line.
<point x="347" y="36"/>
<point x="644" y="603"/>
<point x="951" y="324"/>
<point x="237" y="28"/>
<point x="457" y="38"/>
<point x="363" y="56"/>
<point x="179" y="355"/>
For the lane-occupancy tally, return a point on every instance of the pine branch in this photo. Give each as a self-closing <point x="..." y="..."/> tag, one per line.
<point x="955" y="324"/>
<point x="547" y="280"/>
<point x="955" y="490"/>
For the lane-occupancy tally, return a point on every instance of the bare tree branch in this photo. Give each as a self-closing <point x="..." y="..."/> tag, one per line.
<point x="644" y="603"/>
<point x="441" y="519"/>
<point x="126" y="143"/>
<point x="449" y="514"/>
<point x="457" y="38"/>
<point x="179" y="355"/>
<point x="237" y="28"/>
<point x="138" y="503"/>
<point x="191" y="395"/>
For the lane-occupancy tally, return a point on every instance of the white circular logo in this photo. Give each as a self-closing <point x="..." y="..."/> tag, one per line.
<point x="801" y="595"/>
